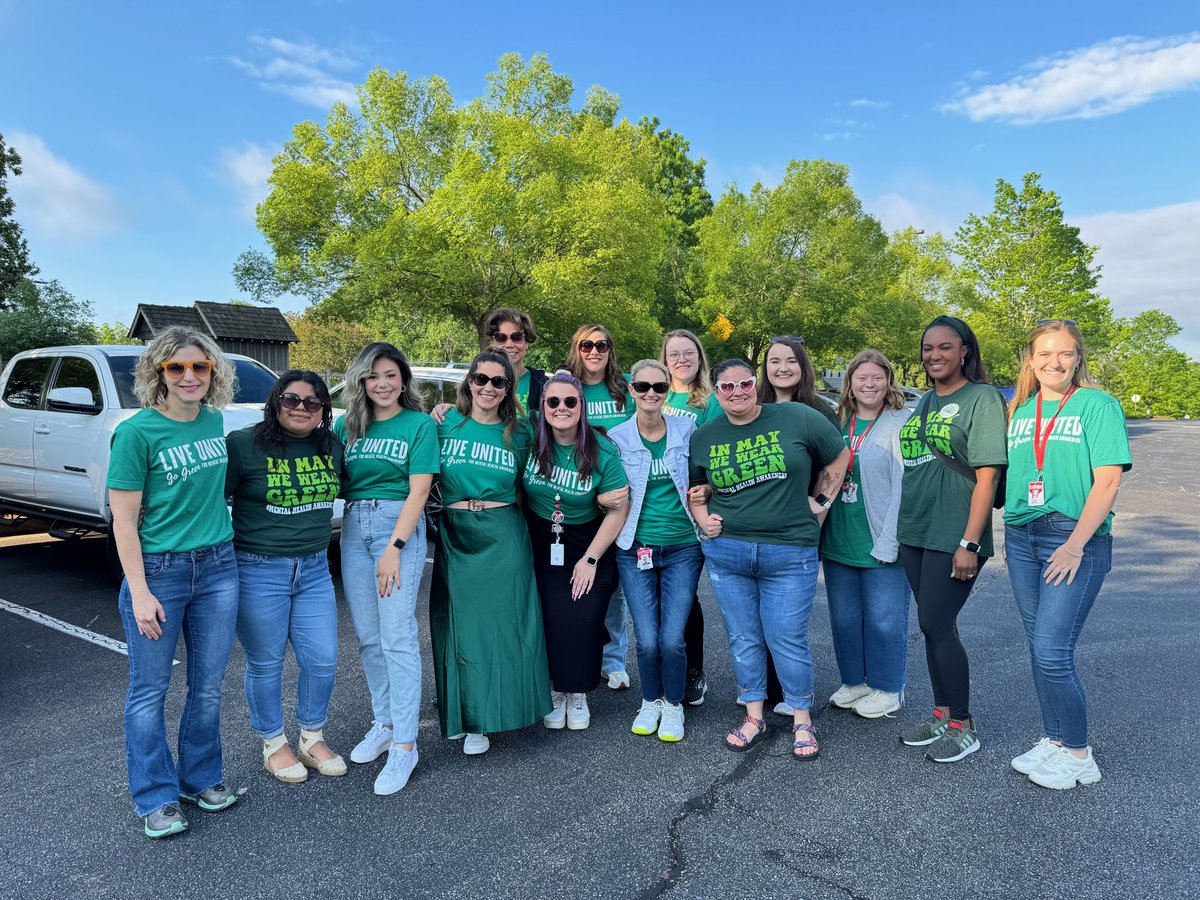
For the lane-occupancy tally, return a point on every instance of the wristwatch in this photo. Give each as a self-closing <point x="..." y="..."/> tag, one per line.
<point x="824" y="501"/>
<point x="399" y="543"/>
<point x="969" y="545"/>
<point x="591" y="561"/>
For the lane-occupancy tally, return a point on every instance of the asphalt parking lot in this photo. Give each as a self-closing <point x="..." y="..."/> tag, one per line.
<point x="604" y="813"/>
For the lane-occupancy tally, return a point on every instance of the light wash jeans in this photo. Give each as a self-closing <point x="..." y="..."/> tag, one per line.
<point x="766" y="592"/>
<point x="868" y="615"/>
<point x="287" y="598"/>
<point x="386" y="626"/>
<point x="198" y="590"/>
<point x="616" y="651"/>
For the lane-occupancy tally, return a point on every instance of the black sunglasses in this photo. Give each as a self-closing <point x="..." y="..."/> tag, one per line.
<point x="602" y="345"/>
<point x="641" y="387"/>
<point x="568" y="402"/>
<point x="294" y="401"/>
<point x="499" y="382"/>
<point x="1070" y="322"/>
<point x="499" y="337"/>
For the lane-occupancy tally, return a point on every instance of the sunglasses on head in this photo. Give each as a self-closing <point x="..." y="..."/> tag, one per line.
<point x="602" y="345"/>
<point x="499" y="382"/>
<point x="788" y="337"/>
<point x="499" y="337"/>
<point x="641" y="387"/>
<point x="746" y="385"/>
<point x="176" y="367"/>
<point x="294" y="401"/>
<point x="568" y="402"/>
<point x="1070" y="322"/>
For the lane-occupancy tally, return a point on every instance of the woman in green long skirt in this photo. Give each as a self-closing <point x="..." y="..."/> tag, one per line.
<point x="489" y="650"/>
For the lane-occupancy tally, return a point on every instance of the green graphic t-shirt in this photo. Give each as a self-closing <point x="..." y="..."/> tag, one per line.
<point x="678" y="405"/>
<point x="846" y="537"/>
<point x="662" y="522"/>
<point x="935" y="501"/>
<point x="1089" y="432"/>
<point x="476" y="463"/>
<point x="378" y="463"/>
<point x="523" y="384"/>
<point x="180" y="469"/>
<point x="578" y="495"/>
<point x="602" y="408"/>
<point x="282" y="505"/>
<point x="760" y="472"/>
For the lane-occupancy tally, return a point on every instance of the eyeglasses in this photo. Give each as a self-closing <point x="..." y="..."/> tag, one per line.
<point x="676" y="355"/>
<point x="1070" y="322"/>
<point x="294" y="401"/>
<point x="499" y="337"/>
<point x="746" y="385"/>
<point x="642" y="387"/>
<point x="176" y="367"/>
<point x="499" y="382"/>
<point x="602" y="345"/>
<point x="568" y="402"/>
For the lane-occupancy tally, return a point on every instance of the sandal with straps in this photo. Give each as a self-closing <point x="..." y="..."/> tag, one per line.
<point x="293" y="774"/>
<point x="744" y="743"/>
<point x="308" y="739"/>
<point x="804" y="743"/>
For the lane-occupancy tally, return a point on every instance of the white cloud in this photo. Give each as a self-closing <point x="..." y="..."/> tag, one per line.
<point x="834" y="135"/>
<point x="302" y="71"/>
<point x="1149" y="261"/>
<point x="55" y="200"/>
<point x="916" y="201"/>
<point x="863" y="102"/>
<point x="246" y="170"/>
<point x="1087" y="83"/>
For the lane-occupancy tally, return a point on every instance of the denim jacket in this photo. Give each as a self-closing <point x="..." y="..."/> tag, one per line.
<point x="636" y="459"/>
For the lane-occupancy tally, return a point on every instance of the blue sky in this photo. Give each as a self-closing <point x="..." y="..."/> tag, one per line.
<point x="147" y="128"/>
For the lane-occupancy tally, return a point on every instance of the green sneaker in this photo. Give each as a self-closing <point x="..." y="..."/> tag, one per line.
<point x="164" y="822"/>
<point x="213" y="799"/>
<point x="926" y="732"/>
<point x="957" y="741"/>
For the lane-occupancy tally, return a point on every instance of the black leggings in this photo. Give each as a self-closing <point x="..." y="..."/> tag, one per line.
<point x="939" y="600"/>
<point x="693" y="637"/>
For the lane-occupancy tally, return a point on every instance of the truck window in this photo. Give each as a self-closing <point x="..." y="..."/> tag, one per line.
<point x="76" y="372"/>
<point x="254" y="381"/>
<point x="26" y="382"/>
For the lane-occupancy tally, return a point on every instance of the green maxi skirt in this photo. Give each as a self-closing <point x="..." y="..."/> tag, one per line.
<point x="489" y="650"/>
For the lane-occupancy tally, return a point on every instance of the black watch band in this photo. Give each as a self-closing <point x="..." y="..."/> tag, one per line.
<point x="399" y="543"/>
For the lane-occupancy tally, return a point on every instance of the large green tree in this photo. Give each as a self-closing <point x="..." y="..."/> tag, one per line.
<point x="15" y="266"/>
<point x="1142" y="363"/>
<point x="43" y="315"/>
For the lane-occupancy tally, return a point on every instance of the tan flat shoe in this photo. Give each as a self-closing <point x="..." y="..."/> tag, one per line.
<point x="332" y="767"/>
<point x="293" y="774"/>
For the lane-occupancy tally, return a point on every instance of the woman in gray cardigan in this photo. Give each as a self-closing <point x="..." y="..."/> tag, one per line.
<point x="868" y="591"/>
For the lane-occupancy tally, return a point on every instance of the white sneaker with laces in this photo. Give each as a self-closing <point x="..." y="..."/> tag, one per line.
<point x="579" y="716"/>
<point x="396" y="772"/>
<point x="1064" y="770"/>
<point x="475" y="744"/>
<point x="670" y="728"/>
<point x="783" y="708"/>
<point x="618" y="680"/>
<point x="877" y="704"/>
<point x="847" y="694"/>
<point x="558" y="716"/>
<point x="646" y="721"/>
<point x="374" y="744"/>
<point x="1035" y="756"/>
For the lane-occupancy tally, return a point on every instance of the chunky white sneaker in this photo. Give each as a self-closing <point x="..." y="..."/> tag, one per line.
<point x="618" y="680"/>
<point x="1064" y="770"/>
<point x="783" y="708"/>
<point x="558" y="716"/>
<point x="1035" y="756"/>
<point x="646" y="721"/>
<point x="395" y="773"/>
<point x="670" y="728"/>
<point x="847" y="694"/>
<point x="476" y="744"/>
<point x="579" y="716"/>
<point x="877" y="704"/>
<point x="374" y="744"/>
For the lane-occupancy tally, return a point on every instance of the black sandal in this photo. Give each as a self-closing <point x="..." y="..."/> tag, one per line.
<point x="745" y="743"/>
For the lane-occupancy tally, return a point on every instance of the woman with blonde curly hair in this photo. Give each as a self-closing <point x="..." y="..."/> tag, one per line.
<point x="166" y="484"/>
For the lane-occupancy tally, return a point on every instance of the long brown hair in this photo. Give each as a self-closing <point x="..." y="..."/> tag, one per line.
<point x="701" y="389"/>
<point x="806" y="391"/>
<point x="613" y="379"/>
<point x="1027" y="383"/>
<point x="509" y="409"/>
<point x="893" y="399"/>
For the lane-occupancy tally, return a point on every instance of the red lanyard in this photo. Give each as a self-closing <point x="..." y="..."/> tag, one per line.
<point x="854" y="445"/>
<point x="1041" y="440"/>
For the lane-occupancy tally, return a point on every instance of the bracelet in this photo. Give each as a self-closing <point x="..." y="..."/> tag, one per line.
<point x="1078" y="555"/>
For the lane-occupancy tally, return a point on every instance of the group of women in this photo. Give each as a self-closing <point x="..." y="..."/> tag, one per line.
<point x="561" y="501"/>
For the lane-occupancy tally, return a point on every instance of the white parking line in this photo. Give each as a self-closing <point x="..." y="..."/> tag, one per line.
<point x="67" y="628"/>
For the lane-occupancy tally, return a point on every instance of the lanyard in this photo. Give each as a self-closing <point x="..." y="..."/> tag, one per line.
<point x="1040" y="440"/>
<point x="854" y="445"/>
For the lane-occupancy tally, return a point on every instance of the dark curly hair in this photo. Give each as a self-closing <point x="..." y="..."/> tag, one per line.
<point x="269" y="434"/>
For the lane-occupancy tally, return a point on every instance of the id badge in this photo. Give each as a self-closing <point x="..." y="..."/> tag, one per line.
<point x="645" y="557"/>
<point x="1037" y="493"/>
<point x="558" y="554"/>
<point x="850" y="492"/>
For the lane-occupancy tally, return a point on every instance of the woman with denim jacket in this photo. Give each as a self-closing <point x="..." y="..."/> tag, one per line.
<point x="658" y="552"/>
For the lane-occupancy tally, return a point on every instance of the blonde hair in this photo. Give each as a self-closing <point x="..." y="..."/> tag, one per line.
<point x="150" y="385"/>
<point x="648" y="364"/>
<point x="893" y="399"/>
<point x="360" y="412"/>
<point x="1027" y="383"/>
<point x="701" y="389"/>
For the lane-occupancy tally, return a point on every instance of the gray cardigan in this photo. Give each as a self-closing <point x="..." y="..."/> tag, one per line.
<point x="881" y="469"/>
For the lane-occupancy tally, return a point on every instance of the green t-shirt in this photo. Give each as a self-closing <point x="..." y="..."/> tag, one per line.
<point x="379" y="463"/>
<point x="1089" y="432"/>
<point x="476" y="463"/>
<point x="180" y="469"/>
<point x="662" y="522"/>
<point x="760" y="472"/>
<point x="523" y="384"/>
<point x="602" y="408"/>
<point x="282" y="505"/>
<point x="846" y="537"/>
<point x="935" y="501"/>
<point x="677" y="405"/>
<point x="578" y="495"/>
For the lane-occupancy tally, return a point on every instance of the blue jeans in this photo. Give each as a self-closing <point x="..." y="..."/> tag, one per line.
<point x="1053" y="616"/>
<point x="660" y="600"/>
<point x="386" y="626"/>
<point x="766" y="592"/>
<point x="616" y="651"/>
<point x="868" y="615"/>
<point x="198" y="590"/>
<point x="282" y="598"/>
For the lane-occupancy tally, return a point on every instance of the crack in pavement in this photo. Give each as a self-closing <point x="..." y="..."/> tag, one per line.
<point x="780" y="858"/>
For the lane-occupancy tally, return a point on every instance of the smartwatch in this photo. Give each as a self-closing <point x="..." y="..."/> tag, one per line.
<point x="399" y="543"/>
<point x="970" y="546"/>
<point x="591" y="561"/>
<point x="824" y="501"/>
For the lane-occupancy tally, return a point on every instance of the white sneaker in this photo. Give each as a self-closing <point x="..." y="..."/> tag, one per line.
<point x="618" y="680"/>
<point x="647" y="718"/>
<point x="783" y="708"/>
<point x="1035" y="756"/>
<point x="1064" y="770"/>
<point x="475" y="744"/>
<point x="457" y="737"/>
<point x="579" y="716"/>
<point x="847" y="694"/>
<point x="558" y="716"/>
<point x="374" y="744"/>
<point x="395" y="773"/>
<point x="877" y="704"/>
<point x="670" y="729"/>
